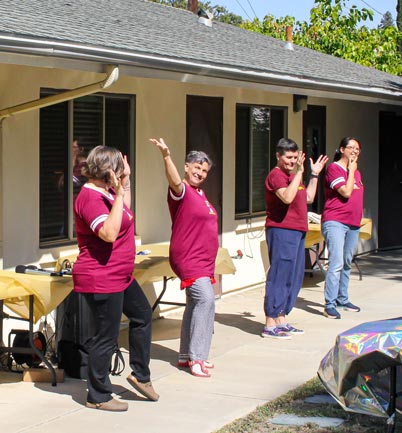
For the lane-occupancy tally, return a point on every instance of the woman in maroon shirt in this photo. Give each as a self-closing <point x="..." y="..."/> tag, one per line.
<point x="340" y="224"/>
<point x="103" y="274"/>
<point x="286" y="199"/>
<point x="193" y="249"/>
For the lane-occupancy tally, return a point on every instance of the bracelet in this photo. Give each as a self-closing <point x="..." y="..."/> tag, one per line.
<point x="127" y="187"/>
<point x="314" y="175"/>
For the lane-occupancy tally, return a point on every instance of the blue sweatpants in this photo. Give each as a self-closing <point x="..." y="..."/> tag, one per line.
<point x="286" y="272"/>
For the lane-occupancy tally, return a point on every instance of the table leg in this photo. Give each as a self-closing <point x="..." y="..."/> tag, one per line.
<point x="159" y="299"/>
<point x="317" y="259"/>
<point x="36" y="351"/>
<point x="357" y="267"/>
<point x="1" y="320"/>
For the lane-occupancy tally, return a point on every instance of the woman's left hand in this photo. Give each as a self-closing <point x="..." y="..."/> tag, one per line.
<point x="125" y="177"/>
<point x="316" y="167"/>
<point x="116" y="183"/>
<point x="127" y="169"/>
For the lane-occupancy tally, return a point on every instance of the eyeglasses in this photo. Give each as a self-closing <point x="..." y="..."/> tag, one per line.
<point x="353" y="149"/>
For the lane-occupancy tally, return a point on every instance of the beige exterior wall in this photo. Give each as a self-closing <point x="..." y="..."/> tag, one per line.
<point x="360" y="120"/>
<point x="160" y="112"/>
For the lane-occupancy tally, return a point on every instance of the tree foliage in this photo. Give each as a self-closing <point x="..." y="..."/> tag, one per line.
<point x="337" y="30"/>
<point x="220" y="13"/>
<point x="387" y="20"/>
<point x="399" y="23"/>
<point x="335" y="27"/>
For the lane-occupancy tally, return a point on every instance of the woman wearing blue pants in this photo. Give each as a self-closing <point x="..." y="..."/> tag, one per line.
<point x="286" y="225"/>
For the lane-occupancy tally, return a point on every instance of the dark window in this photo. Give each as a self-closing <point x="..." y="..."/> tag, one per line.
<point x="258" y="129"/>
<point x="68" y="131"/>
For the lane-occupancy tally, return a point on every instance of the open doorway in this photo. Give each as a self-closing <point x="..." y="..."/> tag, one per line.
<point x="390" y="180"/>
<point x="314" y="145"/>
<point x="205" y="132"/>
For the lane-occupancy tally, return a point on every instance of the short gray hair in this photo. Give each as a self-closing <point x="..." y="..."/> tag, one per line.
<point x="286" y="145"/>
<point x="199" y="157"/>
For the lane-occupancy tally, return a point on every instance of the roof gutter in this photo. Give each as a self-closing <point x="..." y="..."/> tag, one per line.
<point x="111" y="78"/>
<point x="56" y="49"/>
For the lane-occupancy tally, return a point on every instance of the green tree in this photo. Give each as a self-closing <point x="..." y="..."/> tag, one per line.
<point x="399" y="23"/>
<point x="337" y="30"/>
<point x="386" y="20"/>
<point x="220" y="13"/>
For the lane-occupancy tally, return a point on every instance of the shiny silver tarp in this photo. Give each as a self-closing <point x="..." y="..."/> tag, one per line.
<point x="357" y="370"/>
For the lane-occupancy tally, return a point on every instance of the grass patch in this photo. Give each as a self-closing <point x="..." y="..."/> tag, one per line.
<point x="258" y="421"/>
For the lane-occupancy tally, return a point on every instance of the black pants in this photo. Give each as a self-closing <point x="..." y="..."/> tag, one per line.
<point x="107" y="310"/>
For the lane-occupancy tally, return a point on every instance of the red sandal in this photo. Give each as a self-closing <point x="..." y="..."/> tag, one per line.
<point x="185" y="363"/>
<point x="198" y="369"/>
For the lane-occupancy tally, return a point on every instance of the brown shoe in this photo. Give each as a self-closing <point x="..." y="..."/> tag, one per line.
<point x="146" y="389"/>
<point x="112" y="405"/>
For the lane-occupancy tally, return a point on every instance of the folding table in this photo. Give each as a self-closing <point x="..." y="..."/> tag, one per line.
<point x="30" y="297"/>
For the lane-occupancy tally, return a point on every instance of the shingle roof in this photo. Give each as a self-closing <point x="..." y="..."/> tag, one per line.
<point x="127" y="28"/>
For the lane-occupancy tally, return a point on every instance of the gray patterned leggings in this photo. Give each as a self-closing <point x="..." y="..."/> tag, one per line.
<point x="198" y="320"/>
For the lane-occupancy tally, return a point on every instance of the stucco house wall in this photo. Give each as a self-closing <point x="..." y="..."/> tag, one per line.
<point x="160" y="112"/>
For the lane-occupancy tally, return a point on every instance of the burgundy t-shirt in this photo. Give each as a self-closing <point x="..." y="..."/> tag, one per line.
<point x="194" y="240"/>
<point x="102" y="267"/>
<point x="337" y="208"/>
<point x="291" y="216"/>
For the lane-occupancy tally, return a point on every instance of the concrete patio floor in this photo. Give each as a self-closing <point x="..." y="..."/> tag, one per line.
<point x="249" y="370"/>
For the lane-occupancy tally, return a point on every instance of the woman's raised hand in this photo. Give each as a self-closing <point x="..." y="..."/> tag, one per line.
<point x="300" y="162"/>
<point x="352" y="162"/>
<point x="161" y="145"/>
<point x="127" y="169"/>
<point x="116" y="183"/>
<point x="124" y="180"/>
<point x="316" y="167"/>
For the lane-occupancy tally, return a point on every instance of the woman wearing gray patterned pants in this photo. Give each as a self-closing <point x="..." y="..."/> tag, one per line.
<point x="192" y="254"/>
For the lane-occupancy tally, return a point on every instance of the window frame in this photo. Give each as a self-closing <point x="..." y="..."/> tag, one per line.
<point x="69" y="237"/>
<point x="250" y="213"/>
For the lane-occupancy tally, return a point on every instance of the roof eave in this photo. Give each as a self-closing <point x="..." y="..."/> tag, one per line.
<point x="101" y="55"/>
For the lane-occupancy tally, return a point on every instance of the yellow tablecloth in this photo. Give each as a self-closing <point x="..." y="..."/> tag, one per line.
<point x="366" y="228"/>
<point x="48" y="292"/>
<point x="314" y="235"/>
<point x="155" y="266"/>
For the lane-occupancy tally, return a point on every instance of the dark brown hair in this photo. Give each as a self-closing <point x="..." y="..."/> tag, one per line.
<point x="344" y="142"/>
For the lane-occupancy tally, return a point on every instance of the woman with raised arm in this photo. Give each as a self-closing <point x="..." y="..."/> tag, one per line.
<point x="340" y="222"/>
<point x="192" y="254"/>
<point x="286" y="225"/>
<point x="103" y="274"/>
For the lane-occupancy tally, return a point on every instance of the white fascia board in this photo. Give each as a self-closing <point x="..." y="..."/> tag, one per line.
<point x="54" y="54"/>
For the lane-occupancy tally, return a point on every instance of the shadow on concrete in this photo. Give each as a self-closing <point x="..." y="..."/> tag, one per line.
<point x="241" y="321"/>
<point x="164" y="353"/>
<point x="382" y="264"/>
<point x="308" y="306"/>
<point x="76" y="388"/>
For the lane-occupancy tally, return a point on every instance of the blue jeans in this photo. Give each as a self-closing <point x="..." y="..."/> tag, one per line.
<point x="341" y="241"/>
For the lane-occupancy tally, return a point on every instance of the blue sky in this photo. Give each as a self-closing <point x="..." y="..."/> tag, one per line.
<point x="300" y="9"/>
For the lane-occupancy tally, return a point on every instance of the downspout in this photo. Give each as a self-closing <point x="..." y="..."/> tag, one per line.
<point x="112" y="77"/>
